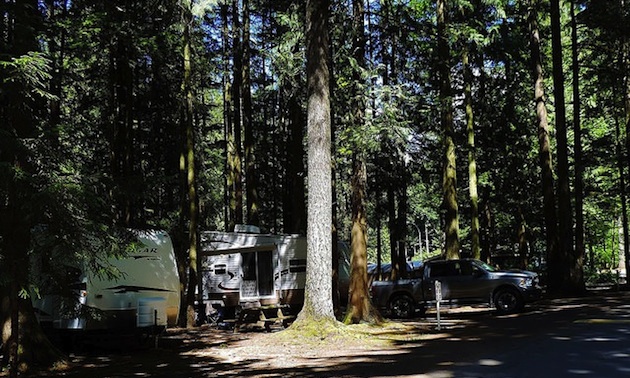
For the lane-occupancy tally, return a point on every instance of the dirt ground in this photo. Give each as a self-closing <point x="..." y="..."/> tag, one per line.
<point x="252" y="351"/>
<point x="394" y="349"/>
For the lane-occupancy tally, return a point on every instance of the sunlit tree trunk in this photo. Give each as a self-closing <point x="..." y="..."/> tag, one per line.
<point x="318" y="306"/>
<point x="554" y="261"/>
<point x="472" y="160"/>
<point x="359" y="304"/>
<point x="449" y="178"/>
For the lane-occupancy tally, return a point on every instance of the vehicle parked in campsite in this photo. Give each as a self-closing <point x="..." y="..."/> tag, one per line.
<point x="465" y="281"/>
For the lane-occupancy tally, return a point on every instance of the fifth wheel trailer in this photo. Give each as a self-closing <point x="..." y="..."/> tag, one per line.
<point x="146" y="294"/>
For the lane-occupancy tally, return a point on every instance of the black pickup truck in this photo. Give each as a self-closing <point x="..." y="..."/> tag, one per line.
<point x="465" y="281"/>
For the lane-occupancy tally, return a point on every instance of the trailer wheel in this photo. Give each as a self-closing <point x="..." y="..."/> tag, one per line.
<point x="401" y="306"/>
<point x="508" y="301"/>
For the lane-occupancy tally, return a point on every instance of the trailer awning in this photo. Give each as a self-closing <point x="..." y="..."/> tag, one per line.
<point x="224" y="251"/>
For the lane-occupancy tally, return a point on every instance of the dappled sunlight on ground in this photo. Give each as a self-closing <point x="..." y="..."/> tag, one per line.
<point x="585" y="337"/>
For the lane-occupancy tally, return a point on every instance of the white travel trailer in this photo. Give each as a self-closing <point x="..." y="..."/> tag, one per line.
<point x="241" y="267"/>
<point x="146" y="294"/>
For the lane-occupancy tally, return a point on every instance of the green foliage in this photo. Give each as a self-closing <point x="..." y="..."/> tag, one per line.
<point x="29" y="71"/>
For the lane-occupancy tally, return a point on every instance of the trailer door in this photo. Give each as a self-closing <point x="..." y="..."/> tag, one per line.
<point x="257" y="270"/>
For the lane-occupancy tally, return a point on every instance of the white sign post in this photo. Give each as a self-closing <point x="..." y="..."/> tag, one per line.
<point x="438" y="299"/>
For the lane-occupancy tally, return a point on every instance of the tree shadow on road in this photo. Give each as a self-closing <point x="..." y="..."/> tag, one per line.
<point x="589" y="333"/>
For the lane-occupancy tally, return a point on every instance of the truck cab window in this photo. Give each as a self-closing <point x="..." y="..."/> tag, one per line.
<point x="446" y="269"/>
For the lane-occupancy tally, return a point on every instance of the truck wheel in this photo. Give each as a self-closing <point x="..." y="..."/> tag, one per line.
<point x="401" y="306"/>
<point x="508" y="301"/>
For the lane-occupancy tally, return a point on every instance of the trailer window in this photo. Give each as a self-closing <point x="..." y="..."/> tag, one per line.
<point x="297" y="265"/>
<point x="220" y="269"/>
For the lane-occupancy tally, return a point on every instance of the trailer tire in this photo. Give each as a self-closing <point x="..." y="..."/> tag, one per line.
<point x="401" y="306"/>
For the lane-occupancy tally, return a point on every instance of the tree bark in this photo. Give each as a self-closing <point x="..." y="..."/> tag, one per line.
<point x="472" y="159"/>
<point x="577" y="274"/>
<point x="35" y="351"/>
<point x="565" y="215"/>
<point x="227" y="118"/>
<point x="392" y="224"/>
<point x="554" y="262"/>
<point x="122" y="81"/>
<point x="318" y="306"/>
<point x="449" y="178"/>
<point x="192" y="208"/>
<point x="234" y="143"/>
<point x="359" y="303"/>
<point x="626" y="100"/>
<point x="251" y="176"/>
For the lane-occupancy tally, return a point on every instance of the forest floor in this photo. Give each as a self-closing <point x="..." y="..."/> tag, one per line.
<point x="411" y="348"/>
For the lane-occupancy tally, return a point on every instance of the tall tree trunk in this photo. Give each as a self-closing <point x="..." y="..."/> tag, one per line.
<point x="509" y="116"/>
<point x="622" y="186"/>
<point x="236" y="164"/>
<point x="393" y="231"/>
<point x="359" y="304"/>
<point x="577" y="274"/>
<point x="626" y="99"/>
<point x="318" y="306"/>
<point x="122" y="142"/>
<point x="395" y="168"/>
<point x="401" y="219"/>
<point x="191" y="180"/>
<point x="490" y="239"/>
<point x="449" y="178"/>
<point x="251" y="176"/>
<point x="523" y="242"/>
<point x="554" y="262"/>
<point x="565" y="215"/>
<point x="227" y="120"/>
<point x="472" y="160"/>
<point x="336" y="251"/>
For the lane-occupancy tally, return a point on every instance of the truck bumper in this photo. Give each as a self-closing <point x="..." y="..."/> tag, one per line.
<point x="532" y="295"/>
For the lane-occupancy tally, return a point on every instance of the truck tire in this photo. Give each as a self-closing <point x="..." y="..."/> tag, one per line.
<point x="508" y="301"/>
<point x="401" y="306"/>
